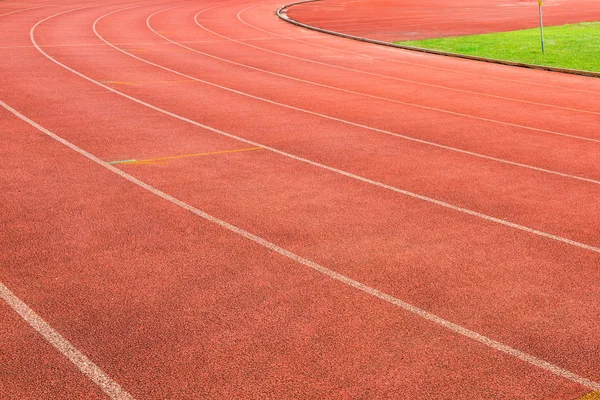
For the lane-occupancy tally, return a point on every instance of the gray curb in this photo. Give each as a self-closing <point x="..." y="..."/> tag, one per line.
<point x="282" y="14"/>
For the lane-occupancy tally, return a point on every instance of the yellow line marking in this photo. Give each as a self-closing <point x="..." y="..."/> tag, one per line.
<point x="156" y="50"/>
<point x="164" y="160"/>
<point x="144" y="82"/>
<point x="590" y="396"/>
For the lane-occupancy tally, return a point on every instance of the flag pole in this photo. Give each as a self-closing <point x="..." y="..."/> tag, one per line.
<point x="541" y="4"/>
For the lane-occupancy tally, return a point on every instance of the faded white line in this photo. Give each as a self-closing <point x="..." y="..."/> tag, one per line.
<point x="310" y="162"/>
<point x="138" y="44"/>
<point x="542" y="364"/>
<point x="111" y="388"/>
<point x="21" y="10"/>
<point x="389" y="133"/>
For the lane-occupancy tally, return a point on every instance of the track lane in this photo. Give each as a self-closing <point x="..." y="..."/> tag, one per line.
<point x="204" y="53"/>
<point x="280" y="29"/>
<point x="551" y="121"/>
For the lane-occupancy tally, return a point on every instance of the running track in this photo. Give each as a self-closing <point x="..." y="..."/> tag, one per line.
<point x="307" y="216"/>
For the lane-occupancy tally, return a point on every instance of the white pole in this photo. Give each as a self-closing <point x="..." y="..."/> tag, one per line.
<point x="541" y="4"/>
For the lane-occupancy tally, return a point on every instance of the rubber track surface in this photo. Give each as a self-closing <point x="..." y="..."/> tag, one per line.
<point x="208" y="202"/>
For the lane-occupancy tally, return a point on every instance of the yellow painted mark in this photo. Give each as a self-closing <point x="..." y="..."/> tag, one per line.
<point x="156" y="51"/>
<point x="165" y="160"/>
<point x="590" y="396"/>
<point x="145" y="82"/>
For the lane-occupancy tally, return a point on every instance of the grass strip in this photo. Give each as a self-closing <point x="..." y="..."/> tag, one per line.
<point x="573" y="46"/>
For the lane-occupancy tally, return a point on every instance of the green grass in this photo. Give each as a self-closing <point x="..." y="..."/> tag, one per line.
<point x="575" y="46"/>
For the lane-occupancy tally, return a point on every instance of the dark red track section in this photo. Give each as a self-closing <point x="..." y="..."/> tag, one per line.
<point x="394" y="20"/>
<point x="468" y="190"/>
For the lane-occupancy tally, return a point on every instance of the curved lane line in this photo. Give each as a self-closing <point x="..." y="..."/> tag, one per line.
<point x="21" y="10"/>
<point x="542" y="364"/>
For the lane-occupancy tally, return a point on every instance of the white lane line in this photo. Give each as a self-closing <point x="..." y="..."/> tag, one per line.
<point x="535" y="103"/>
<point x="307" y="161"/>
<point x="137" y="44"/>
<point x="21" y="10"/>
<point x="41" y="5"/>
<point x="84" y="364"/>
<point x="389" y="133"/>
<point x="544" y="365"/>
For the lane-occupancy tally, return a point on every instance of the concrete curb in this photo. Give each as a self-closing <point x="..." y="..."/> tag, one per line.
<point x="282" y="14"/>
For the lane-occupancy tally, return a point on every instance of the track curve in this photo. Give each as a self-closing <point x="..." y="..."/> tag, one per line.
<point x="467" y="191"/>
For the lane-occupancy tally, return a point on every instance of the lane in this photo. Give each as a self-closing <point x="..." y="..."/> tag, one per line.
<point x="542" y="102"/>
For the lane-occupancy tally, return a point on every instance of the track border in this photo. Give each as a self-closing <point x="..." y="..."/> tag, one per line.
<point x="282" y="14"/>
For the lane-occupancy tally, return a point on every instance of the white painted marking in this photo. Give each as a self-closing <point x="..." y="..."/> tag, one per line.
<point x="21" y="10"/>
<point x="389" y="133"/>
<point x="137" y="44"/>
<point x="307" y="161"/>
<point x="84" y="364"/>
<point x="542" y="364"/>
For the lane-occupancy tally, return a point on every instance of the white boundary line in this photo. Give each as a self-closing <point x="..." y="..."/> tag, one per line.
<point x="542" y="364"/>
<point x="304" y="160"/>
<point x="84" y="364"/>
<point x="389" y="133"/>
<point x="21" y="10"/>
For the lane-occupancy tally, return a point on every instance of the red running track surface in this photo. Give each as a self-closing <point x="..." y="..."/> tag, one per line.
<point x="394" y="20"/>
<point x="312" y="217"/>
